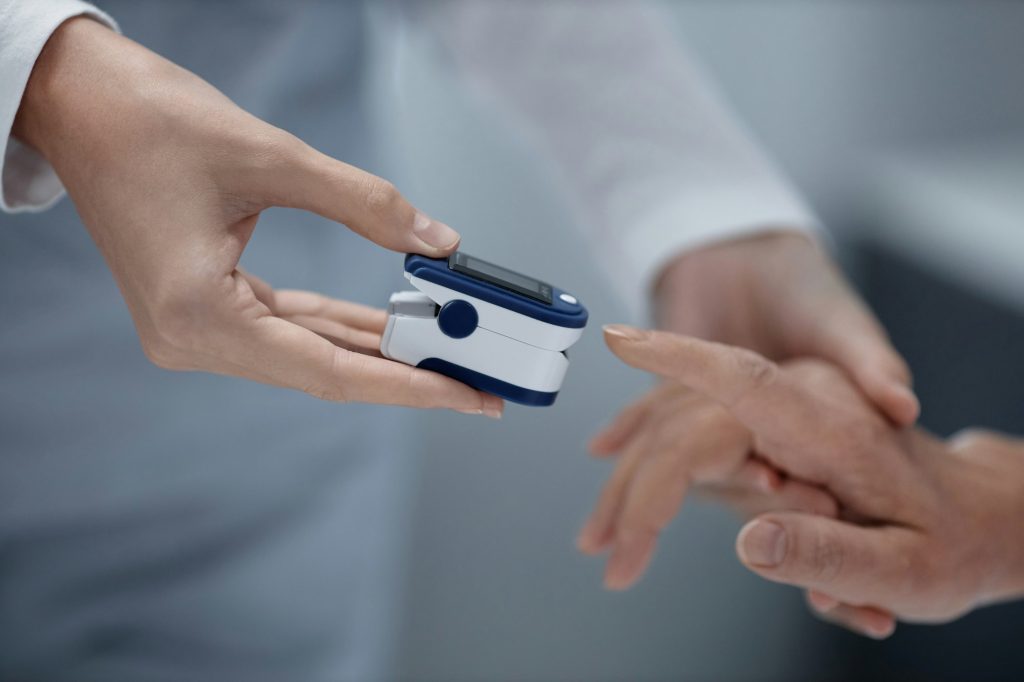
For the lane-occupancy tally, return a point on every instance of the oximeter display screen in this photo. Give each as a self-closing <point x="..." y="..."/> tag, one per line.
<point x="507" y="279"/>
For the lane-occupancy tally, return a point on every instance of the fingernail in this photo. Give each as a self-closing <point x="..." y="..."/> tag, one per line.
<point x="589" y="540"/>
<point x="769" y="482"/>
<point x="624" y="331"/>
<point x="762" y="543"/>
<point x="475" y="411"/>
<point x="907" y="397"/>
<point x="433" y="232"/>
<point x="880" y="630"/>
<point x="492" y="411"/>
<point x="625" y="563"/>
<point x="823" y="603"/>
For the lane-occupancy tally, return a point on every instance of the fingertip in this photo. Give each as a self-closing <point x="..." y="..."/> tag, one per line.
<point x="621" y="339"/>
<point x="604" y="444"/>
<point x="879" y="626"/>
<point x="905" y="407"/>
<point x="492" y="406"/>
<point x="438" y="238"/>
<point x="618" y="578"/>
<point x="821" y="602"/>
<point x="628" y="561"/>
<point x="590" y="540"/>
<point x="598" y="444"/>
<point x="895" y="399"/>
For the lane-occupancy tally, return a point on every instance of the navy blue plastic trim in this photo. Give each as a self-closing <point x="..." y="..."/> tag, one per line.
<point x="457" y="319"/>
<point x="436" y="271"/>
<point x="502" y="389"/>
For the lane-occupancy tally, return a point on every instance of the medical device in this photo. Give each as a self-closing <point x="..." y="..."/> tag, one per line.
<point x="484" y="325"/>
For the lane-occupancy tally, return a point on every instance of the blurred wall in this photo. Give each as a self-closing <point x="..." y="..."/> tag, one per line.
<point x="495" y="587"/>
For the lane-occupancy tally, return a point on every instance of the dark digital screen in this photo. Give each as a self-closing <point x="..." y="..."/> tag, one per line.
<point x="503" y="277"/>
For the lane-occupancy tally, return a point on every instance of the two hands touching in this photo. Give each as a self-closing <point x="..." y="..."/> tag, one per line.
<point x="879" y="521"/>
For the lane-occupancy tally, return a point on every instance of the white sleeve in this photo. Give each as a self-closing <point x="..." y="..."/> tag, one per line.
<point x="655" y="162"/>
<point x="27" y="181"/>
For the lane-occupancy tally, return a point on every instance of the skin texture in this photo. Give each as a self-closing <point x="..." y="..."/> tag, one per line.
<point x="925" y="531"/>
<point x="170" y="177"/>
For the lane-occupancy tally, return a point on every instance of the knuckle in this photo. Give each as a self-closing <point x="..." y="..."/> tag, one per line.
<point x="335" y="389"/>
<point x="381" y="196"/>
<point x="758" y="371"/>
<point x="826" y="557"/>
<point x="862" y="440"/>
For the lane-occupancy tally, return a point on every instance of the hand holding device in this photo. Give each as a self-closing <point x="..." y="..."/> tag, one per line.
<point x="170" y="177"/>
<point x="928" y="529"/>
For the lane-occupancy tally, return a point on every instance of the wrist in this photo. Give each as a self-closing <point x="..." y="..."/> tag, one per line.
<point x="734" y="266"/>
<point x="61" y="90"/>
<point x="984" y="476"/>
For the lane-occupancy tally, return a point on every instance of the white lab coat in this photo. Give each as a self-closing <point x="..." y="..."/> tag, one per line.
<point x="208" y="527"/>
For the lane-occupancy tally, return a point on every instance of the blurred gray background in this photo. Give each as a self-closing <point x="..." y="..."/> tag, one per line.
<point x="903" y="121"/>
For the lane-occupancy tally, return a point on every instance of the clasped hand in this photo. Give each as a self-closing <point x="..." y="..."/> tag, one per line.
<point x="877" y="522"/>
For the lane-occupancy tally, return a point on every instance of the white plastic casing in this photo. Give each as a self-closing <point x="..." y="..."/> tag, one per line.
<point x="506" y="345"/>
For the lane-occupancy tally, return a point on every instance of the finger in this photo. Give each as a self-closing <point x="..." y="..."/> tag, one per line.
<point x="291" y="302"/>
<point x="285" y="354"/>
<point x="854" y="564"/>
<point x="613" y="437"/>
<point x="340" y="335"/>
<point x="821" y="602"/>
<point x="749" y="385"/>
<point x="597" y="530"/>
<point x="690" y="446"/>
<point x="791" y="495"/>
<point x="864" y="620"/>
<point x="652" y="499"/>
<point x="754" y="476"/>
<point x="725" y="373"/>
<point x="264" y="292"/>
<point x="852" y="339"/>
<point x="369" y="205"/>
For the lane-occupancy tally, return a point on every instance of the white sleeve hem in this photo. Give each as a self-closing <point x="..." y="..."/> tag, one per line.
<point x="681" y="225"/>
<point x="28" y="183"/>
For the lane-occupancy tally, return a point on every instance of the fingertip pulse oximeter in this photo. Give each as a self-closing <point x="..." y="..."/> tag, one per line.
<point x="484" y="325"/>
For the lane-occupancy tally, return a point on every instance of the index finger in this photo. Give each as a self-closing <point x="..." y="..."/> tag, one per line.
<point x="749" y="385"/>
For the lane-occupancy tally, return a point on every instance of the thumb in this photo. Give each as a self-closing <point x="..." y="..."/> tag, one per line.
<point x="854" y="564"/>
<point x="855" y="341"/>
<point x="369" y="205"/>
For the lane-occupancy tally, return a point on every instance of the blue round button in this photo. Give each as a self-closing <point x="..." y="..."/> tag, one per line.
<point x="457" y="319"/>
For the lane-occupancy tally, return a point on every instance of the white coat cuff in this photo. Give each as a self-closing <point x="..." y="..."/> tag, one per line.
<point x="688" y="223"/>
<point x="27" y="181"/>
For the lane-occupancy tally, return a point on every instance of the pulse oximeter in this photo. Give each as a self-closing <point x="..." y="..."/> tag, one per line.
<point x="484" y="325"/>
